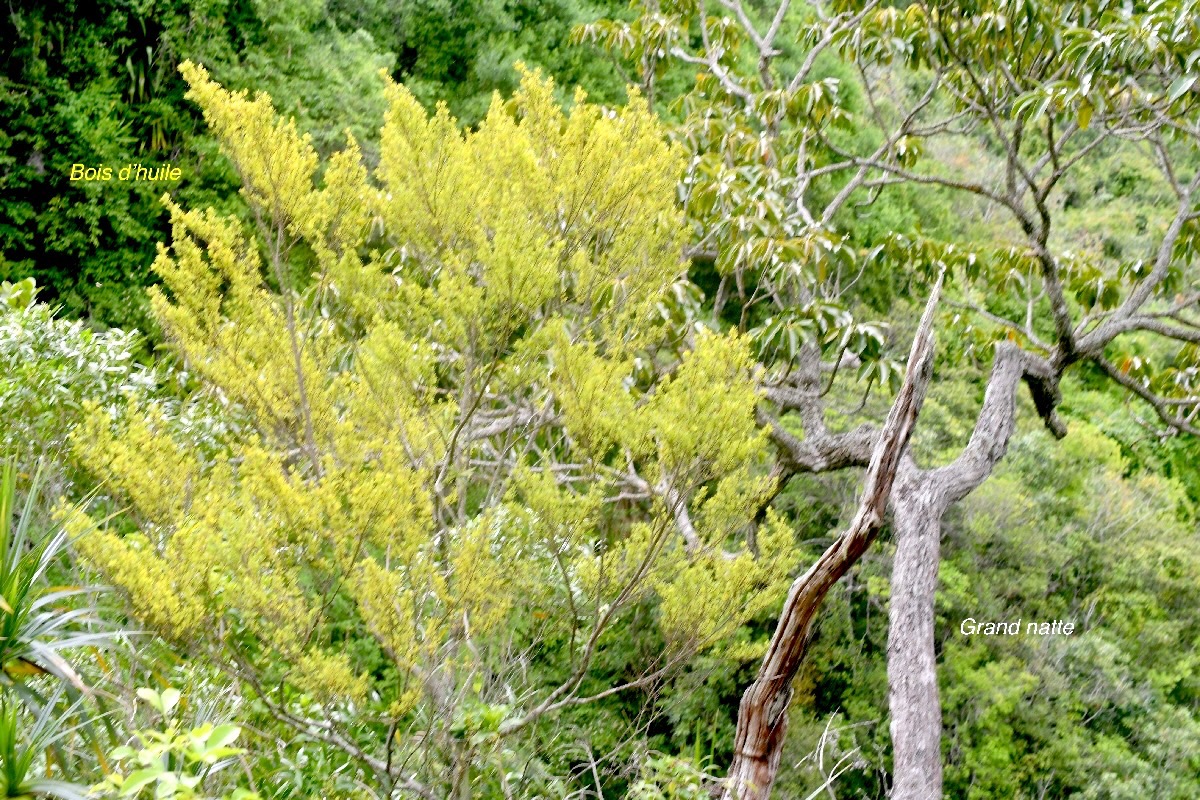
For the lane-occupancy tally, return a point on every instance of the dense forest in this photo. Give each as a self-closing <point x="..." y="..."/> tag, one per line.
<point x="666" y="400"/>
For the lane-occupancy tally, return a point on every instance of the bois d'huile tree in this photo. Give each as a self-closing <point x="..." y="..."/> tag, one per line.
<point x="472" y="430"/>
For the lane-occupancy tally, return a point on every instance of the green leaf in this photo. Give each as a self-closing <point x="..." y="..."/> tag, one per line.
<point x="1180" y="86"/>
<point x="1085" y="113"/>
<point x="152" y="697"/>
<point x="138" y="779"/>
<point x="170" y="699"/>
<point x="168" y="785"/>
<point x="223" y="735"/>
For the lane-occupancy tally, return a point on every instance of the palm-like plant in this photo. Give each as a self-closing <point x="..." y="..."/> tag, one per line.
<point x="22" y="748"/>
<point x="37" y="624"/>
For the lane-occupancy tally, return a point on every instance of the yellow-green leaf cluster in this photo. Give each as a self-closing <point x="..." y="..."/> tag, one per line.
<point x="443" y="449"/>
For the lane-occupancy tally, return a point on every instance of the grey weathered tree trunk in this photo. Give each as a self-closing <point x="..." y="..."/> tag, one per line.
<point x="920" y="500"/>
<point x="916" y="721"/>
<point x="762" y="714"/>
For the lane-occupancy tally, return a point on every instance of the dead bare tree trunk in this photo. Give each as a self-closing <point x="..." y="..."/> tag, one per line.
<point x="762" y="714"/>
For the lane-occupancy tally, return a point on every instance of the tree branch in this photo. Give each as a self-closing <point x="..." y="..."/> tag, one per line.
<point x="762" y="714"/>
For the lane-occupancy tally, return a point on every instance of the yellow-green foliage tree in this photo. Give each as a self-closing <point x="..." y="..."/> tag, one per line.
<point x="474" y="434"/>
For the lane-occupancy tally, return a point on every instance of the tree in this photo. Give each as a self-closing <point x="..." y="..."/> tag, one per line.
<point x="1044" y="81"/>
<point x="1035" y="89"/>
<point x="468" y="397"/>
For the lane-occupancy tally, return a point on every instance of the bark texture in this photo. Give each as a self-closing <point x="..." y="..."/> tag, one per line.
<point x="916" y="721"/>
<point x="762" y="714"/>
<point x="919" y="502"/>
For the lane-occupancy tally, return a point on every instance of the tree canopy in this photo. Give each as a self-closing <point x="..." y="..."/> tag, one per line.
<point x="659" y="437"/>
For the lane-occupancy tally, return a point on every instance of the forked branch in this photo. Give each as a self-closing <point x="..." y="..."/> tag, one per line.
<point x="762" y="715"/>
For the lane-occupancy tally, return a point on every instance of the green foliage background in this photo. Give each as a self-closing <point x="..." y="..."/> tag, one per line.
<point x="96" y="83"/>
<point x="1101" y="527"/>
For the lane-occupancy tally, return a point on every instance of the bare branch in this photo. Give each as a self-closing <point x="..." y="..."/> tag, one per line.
<point x="836" y="26"/>
<point x="997" y="418"/>
<point x="1160" y="405"/>
<point x="762" y="714"/>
